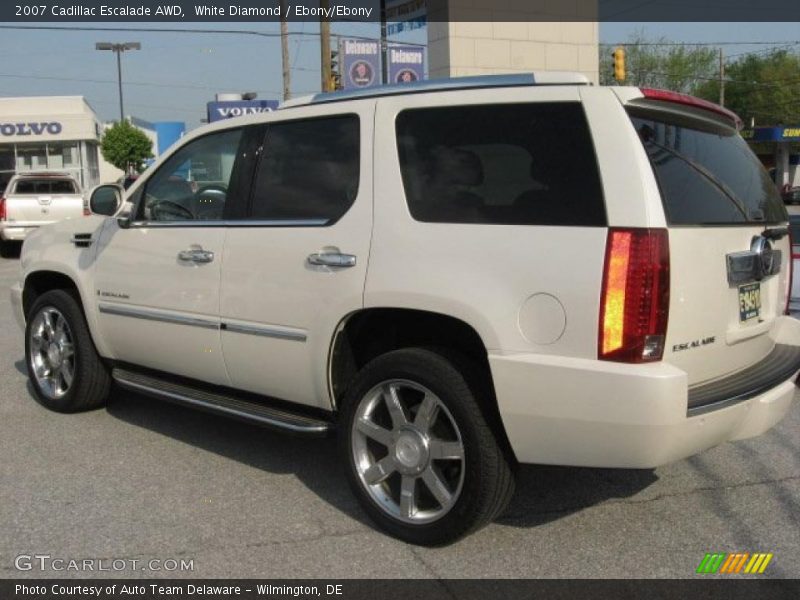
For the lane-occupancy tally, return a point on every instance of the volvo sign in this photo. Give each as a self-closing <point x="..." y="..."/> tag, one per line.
<point x="227" y="109"/>
<point x="37" y="128"/>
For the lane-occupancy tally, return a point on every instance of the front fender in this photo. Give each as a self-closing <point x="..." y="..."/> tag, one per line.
<point x="51" y="249"/>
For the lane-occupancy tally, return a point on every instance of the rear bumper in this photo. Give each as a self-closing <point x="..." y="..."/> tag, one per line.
<point x="592" y="413"/>
<point x="15" y="234"/>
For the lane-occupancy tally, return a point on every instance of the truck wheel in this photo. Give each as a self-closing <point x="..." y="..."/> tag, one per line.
<point x="63" y="365"/>
<point x="422" y="460"/>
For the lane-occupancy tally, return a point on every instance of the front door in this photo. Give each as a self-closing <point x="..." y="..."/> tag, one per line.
<point x="158" y="279"/>
<point x="297" y="264"/>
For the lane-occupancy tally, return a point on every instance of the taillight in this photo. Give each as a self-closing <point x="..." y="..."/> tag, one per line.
<point x="634" y="305"/>
<point x="2" y="209"/>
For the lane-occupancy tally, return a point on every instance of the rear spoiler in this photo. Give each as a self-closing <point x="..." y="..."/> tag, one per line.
<point x="694" y="102"/>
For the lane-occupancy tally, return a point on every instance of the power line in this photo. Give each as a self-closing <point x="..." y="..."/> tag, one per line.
<point x="667" y="43"/>
<point x="765" y="51"/>
<point x="266" y="34"/>
<point x="166" y="84"/>
<point x="766" y="83"/>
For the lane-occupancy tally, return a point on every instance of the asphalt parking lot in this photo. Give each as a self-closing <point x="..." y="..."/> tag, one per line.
<point x="146" y="480"/>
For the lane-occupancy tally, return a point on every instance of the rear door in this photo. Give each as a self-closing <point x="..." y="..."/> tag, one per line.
<point x="725" y="218"/>
<point x="296" y="262"/>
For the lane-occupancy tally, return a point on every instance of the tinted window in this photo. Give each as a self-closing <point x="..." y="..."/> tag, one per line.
<point x="45" y="186"/>
<point x="517" y="164"/>
<point x="62" y="186"/>
<point x="707" y="175"/>
<point x="193" y="183"/>
<point x="308" y="170"/>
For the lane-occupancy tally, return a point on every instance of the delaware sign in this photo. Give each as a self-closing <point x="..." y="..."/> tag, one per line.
<point x="361" y="63"/>
<point x="406" y="63"/>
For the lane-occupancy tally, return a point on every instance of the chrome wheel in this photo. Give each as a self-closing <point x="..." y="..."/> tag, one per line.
<point x="408" y="452"/>
<point x="51" y="352"/>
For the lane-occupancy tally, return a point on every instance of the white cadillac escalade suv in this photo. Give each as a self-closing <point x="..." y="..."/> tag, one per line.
<point x="457" y="276"/>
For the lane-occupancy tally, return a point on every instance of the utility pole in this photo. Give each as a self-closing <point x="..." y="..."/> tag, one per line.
<point x="721" y="78"/>
<point x="325" y="48"/>
<point x="287" y="74"/>
<point x="384" y="46"/>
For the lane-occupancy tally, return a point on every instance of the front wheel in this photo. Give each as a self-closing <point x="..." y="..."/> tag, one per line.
<point x="63" y="365"/>
<point x="422" y="460"/>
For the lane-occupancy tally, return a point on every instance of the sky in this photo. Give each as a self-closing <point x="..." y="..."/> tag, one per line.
<point x="174" y="74"/>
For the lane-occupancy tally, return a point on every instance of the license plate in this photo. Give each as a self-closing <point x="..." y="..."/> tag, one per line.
<point x="749" y="301"/>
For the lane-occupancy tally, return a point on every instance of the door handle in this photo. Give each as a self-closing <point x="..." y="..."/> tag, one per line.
<point x="332" y="259"/>
<point x="196" y="255"/>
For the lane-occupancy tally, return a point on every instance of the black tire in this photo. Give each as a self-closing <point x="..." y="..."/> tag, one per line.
<point x="488" y="477"/>
<point x="91" y="380"/>
<point x="9" y="249"/>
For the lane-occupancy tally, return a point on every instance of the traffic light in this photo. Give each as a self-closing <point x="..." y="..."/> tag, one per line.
<point x="336" y="76"/>
<point x="619" y="63"/>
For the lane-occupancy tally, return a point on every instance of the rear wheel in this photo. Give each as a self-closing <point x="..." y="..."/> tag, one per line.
<point x="63" y="365"/>
<point x="422" y="460"/>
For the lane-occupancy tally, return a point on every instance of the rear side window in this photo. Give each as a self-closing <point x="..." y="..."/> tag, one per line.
<point x="707" y="175"/>
<point x="504" y="164"/>
<point x="309" y="169"/>
<point x="45" y="186"/>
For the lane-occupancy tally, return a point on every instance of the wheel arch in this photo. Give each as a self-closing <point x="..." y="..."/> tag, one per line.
<point x="365" y="334"/>
<point x="39" y="282"/>
<point x="44" y="280"/>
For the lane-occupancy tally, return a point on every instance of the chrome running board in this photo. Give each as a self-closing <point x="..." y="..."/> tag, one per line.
<point x="222" y="404"/>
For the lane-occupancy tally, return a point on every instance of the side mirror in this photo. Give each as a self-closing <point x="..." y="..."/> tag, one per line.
<point x="106" y="199"/>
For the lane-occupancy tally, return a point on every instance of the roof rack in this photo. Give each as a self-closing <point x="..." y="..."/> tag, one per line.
<point x="445" y="84"/>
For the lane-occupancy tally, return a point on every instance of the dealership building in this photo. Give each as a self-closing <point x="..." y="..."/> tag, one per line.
<point x="53" y="133"/>
<point x="63" y="133"/>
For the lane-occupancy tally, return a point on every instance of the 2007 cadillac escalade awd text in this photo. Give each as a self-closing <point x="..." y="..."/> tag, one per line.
<point x="457" y="276"/>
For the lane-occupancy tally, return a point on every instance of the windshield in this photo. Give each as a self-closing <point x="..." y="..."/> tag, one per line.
<point x="707" y="175"/>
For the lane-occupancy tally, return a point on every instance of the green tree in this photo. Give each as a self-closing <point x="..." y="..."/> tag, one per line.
<point x="125" y="146"/>
<point x="660" y="64"/>
<point x="761" y="88"/>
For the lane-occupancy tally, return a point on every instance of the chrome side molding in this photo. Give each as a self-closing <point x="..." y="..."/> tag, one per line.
<point x="141" y="313"/>
<point x="293" y="335"/>
<point x="281" y="334"/>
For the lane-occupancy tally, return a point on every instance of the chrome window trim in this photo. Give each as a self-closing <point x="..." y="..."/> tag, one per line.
<point x="282" y="334"/>
<point x="138" y="313"/>
<point x="233" y="223"/>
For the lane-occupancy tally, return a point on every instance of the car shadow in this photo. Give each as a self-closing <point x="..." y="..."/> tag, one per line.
<point x="21" y="367"/>
<point x="547" y="493"/>
<point x="543" y="493"/>
<point x="312" y="460"/>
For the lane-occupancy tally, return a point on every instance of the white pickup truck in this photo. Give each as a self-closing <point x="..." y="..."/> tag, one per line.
<point x="35" y="199"/>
